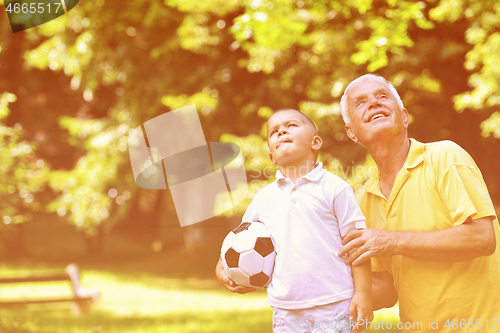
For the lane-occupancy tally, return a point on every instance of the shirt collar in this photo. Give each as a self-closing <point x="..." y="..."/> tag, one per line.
<point x="414" y="158"/>
<point x="313" y="175"/>
<point x="372" y="184"/>
<point x="415" y="155"/>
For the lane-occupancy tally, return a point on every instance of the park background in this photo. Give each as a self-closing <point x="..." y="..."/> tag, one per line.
<point x="73" y="88"/>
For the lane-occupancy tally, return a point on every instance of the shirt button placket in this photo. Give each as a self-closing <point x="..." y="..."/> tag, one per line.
<point x="293" y="209"/>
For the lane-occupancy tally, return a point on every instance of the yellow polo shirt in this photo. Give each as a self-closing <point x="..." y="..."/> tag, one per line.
<point x="439" y="187"/>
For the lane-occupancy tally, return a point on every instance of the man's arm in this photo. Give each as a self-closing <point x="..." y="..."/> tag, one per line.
<point x="228" y="283"/>
<point x="469" y="240"/>
<point x="384" y="295"/>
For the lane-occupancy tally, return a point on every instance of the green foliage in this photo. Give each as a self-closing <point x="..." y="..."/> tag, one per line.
<point x="484" y="57"/>
<point x="22" y="176"/>
<point x="206" y="101"/>
<point x="491" y="125"/>
<point x="389" y="33"/>
<point x="237" y="61"/>
<point x="84" y="189"/>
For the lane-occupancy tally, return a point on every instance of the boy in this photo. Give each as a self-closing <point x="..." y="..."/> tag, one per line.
<point x="307" y="210"/>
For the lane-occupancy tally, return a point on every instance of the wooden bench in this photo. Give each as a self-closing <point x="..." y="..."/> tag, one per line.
<point x="82" y="299"/>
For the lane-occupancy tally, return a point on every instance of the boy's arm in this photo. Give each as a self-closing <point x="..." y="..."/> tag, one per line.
<point x="228" y="283"/>
<point x="350" y="217"/>
<point x="361" y="309"/>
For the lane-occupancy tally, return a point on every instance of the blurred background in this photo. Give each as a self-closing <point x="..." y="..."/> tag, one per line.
<point x="73" y="88"/>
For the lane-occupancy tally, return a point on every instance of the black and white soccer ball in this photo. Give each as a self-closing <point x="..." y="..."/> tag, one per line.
<point x="248" y="254"/>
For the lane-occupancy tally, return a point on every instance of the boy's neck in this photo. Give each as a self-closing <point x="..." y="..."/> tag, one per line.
<point x="297" y="171"/>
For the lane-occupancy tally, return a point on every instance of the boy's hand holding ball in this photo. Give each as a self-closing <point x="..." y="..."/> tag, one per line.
<point x="228" y="283"/>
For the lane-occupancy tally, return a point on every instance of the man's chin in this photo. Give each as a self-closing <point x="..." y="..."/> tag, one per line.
<point x="376" y="134"/>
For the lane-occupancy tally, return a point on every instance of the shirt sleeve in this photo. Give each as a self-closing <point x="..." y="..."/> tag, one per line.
<point x="347" y="211"/>
<point x="377" y="265"/>
<point x="463" y="189"/>
<point x="252" y="212"/>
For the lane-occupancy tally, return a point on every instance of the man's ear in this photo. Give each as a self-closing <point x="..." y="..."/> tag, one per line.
<point x="351" y="134"/>
<point x="406" y="117"/>
<point x="272" y="159"/>
<point x="317" y="142"/>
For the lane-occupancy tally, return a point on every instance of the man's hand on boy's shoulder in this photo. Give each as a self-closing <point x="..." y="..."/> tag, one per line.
<point x="228" y="283"/>
<point x="362" y="244"/>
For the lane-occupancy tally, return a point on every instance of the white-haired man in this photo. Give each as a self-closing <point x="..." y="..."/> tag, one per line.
<point x="432" y="231"/>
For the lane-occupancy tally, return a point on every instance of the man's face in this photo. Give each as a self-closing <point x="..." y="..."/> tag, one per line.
<point x="291" y="138"/>
<point x="373" y="111"/>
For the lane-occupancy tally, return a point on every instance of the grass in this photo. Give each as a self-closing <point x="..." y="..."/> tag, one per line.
<point x="170" y="293"/>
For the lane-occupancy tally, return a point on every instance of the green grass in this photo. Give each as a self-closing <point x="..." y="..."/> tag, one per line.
<point x="172" y="292"/>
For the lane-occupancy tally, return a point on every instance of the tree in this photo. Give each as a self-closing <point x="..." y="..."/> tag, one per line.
<point x="240" y="60"/>
<point x="22" y="177"/>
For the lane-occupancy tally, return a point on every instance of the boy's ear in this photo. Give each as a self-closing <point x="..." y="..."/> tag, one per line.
<point x="317" y="142"/>
<point x="272" y="159"/>
<point x="351" y="134"/>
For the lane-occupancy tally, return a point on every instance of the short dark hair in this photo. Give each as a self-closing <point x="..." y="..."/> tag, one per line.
<point x="302" y="113"/>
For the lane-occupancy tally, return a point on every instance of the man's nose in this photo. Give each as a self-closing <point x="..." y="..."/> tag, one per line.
<point x="372" y="101"/>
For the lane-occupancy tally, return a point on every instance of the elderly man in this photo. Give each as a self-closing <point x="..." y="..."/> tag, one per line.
<point x="434" y="236"/>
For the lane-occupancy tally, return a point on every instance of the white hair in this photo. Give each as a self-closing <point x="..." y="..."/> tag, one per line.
<point x="365" y="78"/>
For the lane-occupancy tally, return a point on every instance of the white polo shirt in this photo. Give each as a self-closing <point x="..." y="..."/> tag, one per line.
<point x="307" y="220"/>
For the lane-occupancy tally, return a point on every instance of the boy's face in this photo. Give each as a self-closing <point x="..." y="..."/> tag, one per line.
<point x="291" y="138"/>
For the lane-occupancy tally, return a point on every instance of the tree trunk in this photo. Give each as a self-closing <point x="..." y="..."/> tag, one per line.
<point x="95" y="242"/>
<point x="13" y="239"/>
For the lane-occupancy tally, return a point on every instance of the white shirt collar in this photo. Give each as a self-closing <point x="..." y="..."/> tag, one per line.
<point x="314" y="175"/>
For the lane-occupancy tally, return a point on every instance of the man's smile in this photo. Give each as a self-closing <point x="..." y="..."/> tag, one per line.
<point x="376" y="115"/>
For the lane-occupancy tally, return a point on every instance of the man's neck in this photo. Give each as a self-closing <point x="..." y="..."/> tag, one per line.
<point x="297" y="170"/>
<point x="390" y="157"/>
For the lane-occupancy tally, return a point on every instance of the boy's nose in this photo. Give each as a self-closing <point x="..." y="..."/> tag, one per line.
<point x="281" y="132"/>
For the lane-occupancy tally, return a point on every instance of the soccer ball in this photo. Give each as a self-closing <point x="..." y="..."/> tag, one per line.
<point x="248" y="254"/>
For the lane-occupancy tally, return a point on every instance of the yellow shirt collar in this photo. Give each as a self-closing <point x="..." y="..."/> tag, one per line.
<point x="415" y="155"/>
<point x="414" y="158"/>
